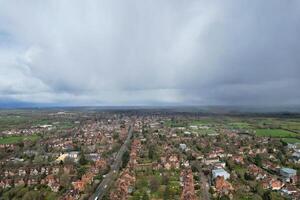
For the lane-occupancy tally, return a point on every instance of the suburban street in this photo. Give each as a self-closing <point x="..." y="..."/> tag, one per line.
<point x="204" y="183"/>
<point x="205" y="195"/>
<point x="109" y="179"/>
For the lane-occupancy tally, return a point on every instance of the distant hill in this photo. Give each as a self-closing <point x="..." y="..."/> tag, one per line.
<point x="220" y="109"/>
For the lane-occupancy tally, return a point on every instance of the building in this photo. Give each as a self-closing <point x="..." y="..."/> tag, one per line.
<point x="211" y="161"/>
<point x="220" y="173"/>
<point x="276" y="184"/>
<point x="222" y="186"/>
<point x="182" y="147"/>
<point x="296" y="157"/>
<point x="288" y="172"/>
<point x="289" y="175"/>
<point x="73" y="154"/>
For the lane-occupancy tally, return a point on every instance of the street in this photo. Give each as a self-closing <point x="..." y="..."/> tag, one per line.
<point x="205" y="195"/>
<point x="109" y="179"/>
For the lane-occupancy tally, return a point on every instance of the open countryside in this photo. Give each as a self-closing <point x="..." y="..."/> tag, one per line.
<point x="275" y="133"/>
<point x="17" y="139"/>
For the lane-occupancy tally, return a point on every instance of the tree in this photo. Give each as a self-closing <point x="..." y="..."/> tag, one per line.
<point x="258" y="160"/>
<point x="69" y="161"/>
<point x="284" y="143"/>
<point x="195" y="165"/>
<point x="64" y="180"/>
<point x="81" y="171"/>
<point x="125" y="159"/>
<point x="154" y="184"/>
<point x="190" y="157"/>
<point x="259" y="189"/>
<point x="32" y="195"/>
<point x="167" y="193"/>
<point x="224" y="198"/>
<point x="256" y="197"/>
<point x="115" y="136"/>
<point x="51" y="196"/>
<point x="142" y="183"/>
<point x="152" y="152"/>
<point x="165" y="179"/>
<point x="82" y="159"/>
<point x="280" y="156"/>
<point x="38" y="160"/>
<point x="230" y="164"/>
<point x="249" y="177"/>
<point x="272" y="196"/>
<point x="145" y="196"/>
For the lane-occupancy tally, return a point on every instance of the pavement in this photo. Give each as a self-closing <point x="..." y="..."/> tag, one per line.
<point x="110" y="178"/>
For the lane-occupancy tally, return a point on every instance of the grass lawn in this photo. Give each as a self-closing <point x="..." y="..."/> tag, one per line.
<point x="203" y="122"/>
<point x="16" y="139"/>
<point x="143" y="183"/>
<point x="21" y="192"/>
<point x="205" y="132"/>
<point x="8" y="122"/>
<point x="239" y="169"/>
<point x="175" y="123"/>
<point x="240" y="125"/>
<point x="291" y="140"/>
<point x="275" y="133"/>
<point x="291" y="126"/>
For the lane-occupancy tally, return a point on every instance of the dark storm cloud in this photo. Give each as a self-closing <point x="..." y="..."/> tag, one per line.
<point x="150" y="52"/>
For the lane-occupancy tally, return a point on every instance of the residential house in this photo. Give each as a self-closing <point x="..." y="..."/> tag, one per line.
<point x="222" y="186"/>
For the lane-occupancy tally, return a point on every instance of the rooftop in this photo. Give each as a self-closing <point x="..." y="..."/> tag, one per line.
<point x="288" y="170"/>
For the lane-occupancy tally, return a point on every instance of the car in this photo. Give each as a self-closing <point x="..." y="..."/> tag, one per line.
<point x="105" y="186"/>
<point x="96" y="198"/>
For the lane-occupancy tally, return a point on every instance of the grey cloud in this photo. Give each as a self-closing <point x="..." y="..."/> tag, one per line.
<point x="150" y="52"/>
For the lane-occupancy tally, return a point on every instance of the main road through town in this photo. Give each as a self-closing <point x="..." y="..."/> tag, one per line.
<point x="109" y="179"/>
<point x="204" y="184"/>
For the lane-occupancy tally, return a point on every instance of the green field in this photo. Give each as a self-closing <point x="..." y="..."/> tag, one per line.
<point x="240" y="125"/>
<point x="291" y="140"/>
<point x="17" y="139"/>
<point x="275" y="133"/>
<point x="144" y="181"/>
<point x="203" y="122"/>
<point x="291" y="125"/>
<point x="8" y="122"/>
<point x="175" y="123"/>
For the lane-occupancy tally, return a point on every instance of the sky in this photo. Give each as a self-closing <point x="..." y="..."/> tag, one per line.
<point x="150" y="52"/>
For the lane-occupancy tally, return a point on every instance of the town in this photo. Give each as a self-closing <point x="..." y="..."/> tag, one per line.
<point x="134" y="155"/>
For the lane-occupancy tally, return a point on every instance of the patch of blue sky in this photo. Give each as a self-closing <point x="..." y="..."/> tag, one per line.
<point x="6" y="39"/>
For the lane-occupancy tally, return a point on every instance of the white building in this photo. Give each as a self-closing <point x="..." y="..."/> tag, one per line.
<point x="220" y="172"/>
<point x="288" y="172"/>
<point x="73" y="154"/>
<point x="194" y="127"/>
<point x="187" y="133"/>
<point x="182" y="147"/>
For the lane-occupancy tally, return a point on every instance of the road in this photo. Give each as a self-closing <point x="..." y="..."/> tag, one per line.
<point x="109" y="179"/>
<point x="205" y="195"/>
<point x="204" y="184"/>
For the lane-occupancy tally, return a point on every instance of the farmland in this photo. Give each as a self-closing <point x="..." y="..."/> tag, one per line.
<point x="291" y="140"/>
<point x="240" y="125"/>
<point x="17" y="139"/>
<point x="275" y="133"/>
